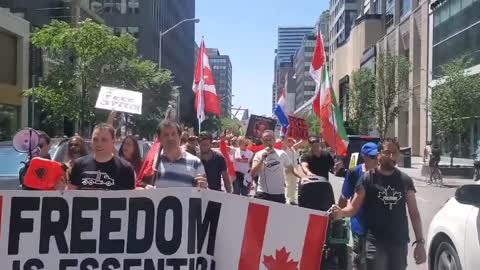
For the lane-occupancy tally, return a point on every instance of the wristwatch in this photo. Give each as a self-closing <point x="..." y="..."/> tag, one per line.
<point x="421" y="241"/>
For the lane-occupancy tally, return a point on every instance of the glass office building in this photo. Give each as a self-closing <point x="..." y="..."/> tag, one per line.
<point x="456" y="33"/>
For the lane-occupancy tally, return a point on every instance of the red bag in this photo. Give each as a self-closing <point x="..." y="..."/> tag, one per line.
<point x="43" y="174"/>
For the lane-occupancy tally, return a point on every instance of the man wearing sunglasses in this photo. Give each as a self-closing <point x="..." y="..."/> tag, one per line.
<point x="318" y="162"/>
<point x="44" y="145"/>
<point x="369" y="154"/>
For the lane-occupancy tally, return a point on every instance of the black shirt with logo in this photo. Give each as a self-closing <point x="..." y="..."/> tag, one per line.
<point x="115" y="174"/>
<point x="385" y="205"/>
<point x="213" y="169"/>
<point x="320" y="165"/>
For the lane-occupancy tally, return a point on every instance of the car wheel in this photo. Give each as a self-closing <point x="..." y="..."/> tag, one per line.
<point x="446" y="257"/>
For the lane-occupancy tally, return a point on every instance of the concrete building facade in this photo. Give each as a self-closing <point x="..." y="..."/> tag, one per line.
<point x="407" y="35"/>
<point x="398" y="27"/>
<point x="222" y="74"/>
<point x="14" y="52"/>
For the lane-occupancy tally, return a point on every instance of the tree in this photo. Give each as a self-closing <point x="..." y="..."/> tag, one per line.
<point x="362" y="101"/>
<point x="391" y="89"/>
<point x="89" y="56"/>
<point x="313" y="124"/>
<point x="455" y="101"/>
<point x="232" y="124"/>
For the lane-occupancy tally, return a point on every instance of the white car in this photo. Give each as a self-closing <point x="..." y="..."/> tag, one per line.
<point x="454" y="235"/>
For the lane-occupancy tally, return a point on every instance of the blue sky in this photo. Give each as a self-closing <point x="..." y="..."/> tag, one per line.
<point x="246" y="30"/>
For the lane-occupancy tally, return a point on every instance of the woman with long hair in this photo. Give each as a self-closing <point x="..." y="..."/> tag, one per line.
<point x="130" y="151"/>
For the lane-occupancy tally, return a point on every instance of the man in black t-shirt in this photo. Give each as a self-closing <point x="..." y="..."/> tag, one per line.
<point x="104" y="170"/>
<point x="317" y="162"/>
<point x="386" y="193"/>
<point x="214" y="164"/>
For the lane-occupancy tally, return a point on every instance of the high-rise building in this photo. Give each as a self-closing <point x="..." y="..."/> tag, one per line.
<point x="305" y="85"/>
<point x="323" y="24"/>
<point x="455" y="32"/>
<point x="342" y="16"/>
<point x="290" y="39"/>
<point x="222" y="74"/>
<point x="396" y="27"/>
<point x="14" y="44"/>
<point x="145" y="19"/>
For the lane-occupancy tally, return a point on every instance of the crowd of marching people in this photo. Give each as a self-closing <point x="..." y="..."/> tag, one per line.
<point x="375" y="193"/>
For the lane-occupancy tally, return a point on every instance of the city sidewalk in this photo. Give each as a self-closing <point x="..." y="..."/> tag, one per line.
<point x="416" y="171"/>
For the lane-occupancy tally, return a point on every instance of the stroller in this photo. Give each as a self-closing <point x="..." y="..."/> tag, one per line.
<point x="317" y="193"/>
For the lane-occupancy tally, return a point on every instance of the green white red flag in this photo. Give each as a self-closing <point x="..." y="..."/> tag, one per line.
<point x="325" y="104"/>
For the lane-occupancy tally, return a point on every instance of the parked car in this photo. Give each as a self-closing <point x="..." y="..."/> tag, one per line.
<point x="454" y="233"/>
<point x="61" y="152"/>
<point x="11" y="160"/>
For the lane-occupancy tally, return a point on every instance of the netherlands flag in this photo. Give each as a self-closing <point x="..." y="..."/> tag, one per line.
<point x="281" y="113"/>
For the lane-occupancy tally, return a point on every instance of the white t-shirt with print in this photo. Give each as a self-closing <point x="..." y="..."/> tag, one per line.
<point x="271" y="178"/>
<point x="242" y="160"/>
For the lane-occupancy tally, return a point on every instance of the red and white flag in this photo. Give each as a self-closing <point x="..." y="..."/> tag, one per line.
<point x="324" y="102"/>
<point x="206" y="100"/>
<point x="318" y="60"/>
<point x="266" y="247"/>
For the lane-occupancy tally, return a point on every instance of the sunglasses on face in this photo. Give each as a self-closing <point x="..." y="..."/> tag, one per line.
<point x="73" y="144"/>
<point x="41" y="145"/>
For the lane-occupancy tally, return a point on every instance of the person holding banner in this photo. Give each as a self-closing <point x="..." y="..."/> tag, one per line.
<point x="173" y="166"/>
<point x="385" y="194"/>
<point x="270" y="165"/>
<point x="103" y="170"/>
<point x="317" y="162"/>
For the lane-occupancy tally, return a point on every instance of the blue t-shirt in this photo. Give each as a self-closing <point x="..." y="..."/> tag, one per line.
<point x="348" y="190"/>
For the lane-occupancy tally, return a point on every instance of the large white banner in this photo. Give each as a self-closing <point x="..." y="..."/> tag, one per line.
<point x="156" y="230"/>
<point x="116" y="99"/>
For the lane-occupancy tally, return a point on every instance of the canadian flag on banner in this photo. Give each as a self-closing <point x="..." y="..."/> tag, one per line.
<point x="206" y="100"/>
<point x="266" y="247"/>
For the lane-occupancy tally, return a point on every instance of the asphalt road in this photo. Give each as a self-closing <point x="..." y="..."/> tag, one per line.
<point x="430" y="199"/>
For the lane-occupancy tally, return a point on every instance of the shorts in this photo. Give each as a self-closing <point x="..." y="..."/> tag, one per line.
<point x="280" y="198"/>
<point x="359" y="252"/>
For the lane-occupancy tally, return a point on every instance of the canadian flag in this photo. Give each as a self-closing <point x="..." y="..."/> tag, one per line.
<point x="206" y="100"/>
<point x="266" y="247"/>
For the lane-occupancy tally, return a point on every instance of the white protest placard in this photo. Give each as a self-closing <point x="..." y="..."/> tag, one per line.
<point x="174" y="228"/>
<point x="116" y="99"/>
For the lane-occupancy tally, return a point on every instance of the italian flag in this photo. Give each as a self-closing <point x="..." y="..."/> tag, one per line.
<point x="325" y="104"/>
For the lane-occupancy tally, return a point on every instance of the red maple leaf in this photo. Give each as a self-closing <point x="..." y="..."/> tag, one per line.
<point x="281" y="262"/>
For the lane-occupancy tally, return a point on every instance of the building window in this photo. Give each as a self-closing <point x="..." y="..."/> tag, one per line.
<point x="405" y="6"/>
<point x="390" y="14"/>
<point x="9" y="121"/>
<point x="133" y="6"/>
<point x="133" y="31"/>
<point x="112" y="6"/>
<point x="96" y="6"/>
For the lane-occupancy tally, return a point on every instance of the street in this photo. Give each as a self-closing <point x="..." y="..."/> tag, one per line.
<point x="429" y="198"/>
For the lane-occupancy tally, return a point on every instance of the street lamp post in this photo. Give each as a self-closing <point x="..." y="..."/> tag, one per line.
<point x="161" y="34"/>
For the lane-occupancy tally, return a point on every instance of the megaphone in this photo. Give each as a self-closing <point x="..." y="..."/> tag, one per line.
<point x="25" y="140"/>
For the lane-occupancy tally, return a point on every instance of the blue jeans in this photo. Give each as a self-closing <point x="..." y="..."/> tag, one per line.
<point x="238" y="187"/>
